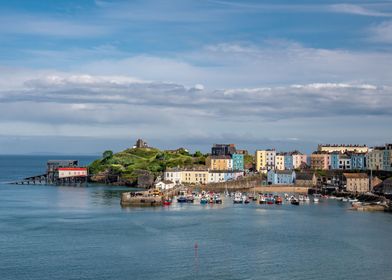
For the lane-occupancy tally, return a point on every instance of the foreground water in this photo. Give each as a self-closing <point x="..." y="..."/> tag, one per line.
<point x="51" y="232"/>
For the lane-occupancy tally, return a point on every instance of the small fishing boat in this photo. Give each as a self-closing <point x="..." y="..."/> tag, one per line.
<point x="270" y="200"/>
<point x="294" y="201"/>
<point x="204" y="200"/>
<point x="167" y="201"/>
<point x="262" y="200"/>
<point x="278" y="200"/>
<point x="316" y="199"/>
<point x="181" y="199"/>
<point x="218" y="199"/>
<point x="190" y="198"/>
<point x="306" y="199"/>
<point x="237" y="198"/>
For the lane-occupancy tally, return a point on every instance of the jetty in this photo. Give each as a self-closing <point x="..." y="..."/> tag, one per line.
<point x="153" y="197"/>
<point x="58" y="172"/>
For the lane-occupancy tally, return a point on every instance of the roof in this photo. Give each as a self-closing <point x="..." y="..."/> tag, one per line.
<point x="283" y="172"/>
<point x="304" y="176"/>
<point x="72" y="169"/>
<point x="167" y="182"/>
<point x="355" y="175"/>
<point x="221" y="157"/>
<point x="388" y="181"/>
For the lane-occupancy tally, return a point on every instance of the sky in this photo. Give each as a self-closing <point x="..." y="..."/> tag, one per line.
<point x="84" y="76"/>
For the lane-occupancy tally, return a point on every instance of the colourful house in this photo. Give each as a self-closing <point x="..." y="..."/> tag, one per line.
<point x="299" y="159"/>
<point x="281" y="177"/>
<point x="219" y="163"/>
<point x="288" y="161"/>
<point x="238" y="162"/>
<point x="265" y="160"/>
<point x="279" y="161"/>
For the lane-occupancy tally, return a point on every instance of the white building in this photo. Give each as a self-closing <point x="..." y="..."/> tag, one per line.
<point x="66" y="172"/>
<point x="173" y="175"/>
<point x="165" y="185"/>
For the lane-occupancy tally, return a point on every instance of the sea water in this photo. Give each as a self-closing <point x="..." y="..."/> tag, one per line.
<point x="49" y="232"/>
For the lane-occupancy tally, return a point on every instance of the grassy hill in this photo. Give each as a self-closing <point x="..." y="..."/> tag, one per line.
<point x="128" y="163"/>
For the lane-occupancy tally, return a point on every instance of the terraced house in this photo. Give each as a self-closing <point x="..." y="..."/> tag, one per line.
<point x="380" y="158"/>
<point x="299" y="159"/>
<point x="224" y="162"/>
<point x="238" y="162"/>
<point x="320" y="161"/>
<point x="265" y="160"/>
<point x="194" y="176"/>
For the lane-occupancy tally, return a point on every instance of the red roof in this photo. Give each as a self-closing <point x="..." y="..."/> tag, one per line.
<point x="72" y="169"/>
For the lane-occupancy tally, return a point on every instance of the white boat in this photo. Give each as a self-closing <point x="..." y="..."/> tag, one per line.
<point x="301" y="197"/>
<point x="353" y="200"/>
<point x="345" y="199"/>
<point x="307" y="199"/>
<point x="237" y="197"/>
<point x="316" y="199"/>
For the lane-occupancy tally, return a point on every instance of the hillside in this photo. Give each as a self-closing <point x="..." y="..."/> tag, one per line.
<point x="125" y="166"/>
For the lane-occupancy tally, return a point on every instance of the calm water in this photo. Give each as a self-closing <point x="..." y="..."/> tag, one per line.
<point x="51" y="232"/>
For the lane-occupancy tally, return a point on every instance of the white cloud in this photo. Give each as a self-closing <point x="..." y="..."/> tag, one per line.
<point x="358" y="10"/>
<point x="249" y="65"/>
<point x="381" y="32"/>
<point x="45" y="26"/>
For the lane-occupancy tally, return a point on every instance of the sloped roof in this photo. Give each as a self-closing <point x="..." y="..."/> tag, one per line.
<point x="356" y="175"/>
<point x="304" y="176"/>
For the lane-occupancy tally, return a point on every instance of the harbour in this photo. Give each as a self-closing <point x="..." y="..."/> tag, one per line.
<point x="55" y="228"/>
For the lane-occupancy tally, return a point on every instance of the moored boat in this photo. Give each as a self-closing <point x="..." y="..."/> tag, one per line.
<point x="278" y="200"/>
<point x="190" y="198"/>
<point x="262" y="199"/>
<point x="204" y="200"/>
<point x="294" y="200"/>
<point x="167" y="201"/>
<point x="237" y="198"/>
<point x="218" y="199"/>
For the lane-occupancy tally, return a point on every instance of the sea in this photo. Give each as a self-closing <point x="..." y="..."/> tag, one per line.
<point x="53" y="232"/>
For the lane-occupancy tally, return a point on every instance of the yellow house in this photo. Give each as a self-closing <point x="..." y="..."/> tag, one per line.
<point x="193" y="176"/>
<point x="265" y="159"/>
<point x="219" y="163"/>
<point x="279" y="162"/>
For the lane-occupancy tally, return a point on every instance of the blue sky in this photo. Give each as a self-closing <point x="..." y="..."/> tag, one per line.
<point x="84" y="76"/>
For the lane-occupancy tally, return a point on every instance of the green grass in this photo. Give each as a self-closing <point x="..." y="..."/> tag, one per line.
<point x="128" y="162"/>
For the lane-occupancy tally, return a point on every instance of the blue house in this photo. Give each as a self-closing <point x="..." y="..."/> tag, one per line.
<point x="281" y="177"/>
<point x="238" y="162"/>
<point x="334" y="161"/>
<point x="358" y="161"/>
<point x="288" y="162"/>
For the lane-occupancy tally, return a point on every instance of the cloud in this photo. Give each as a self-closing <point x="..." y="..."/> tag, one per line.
<point x="343" y="8"/>
<point x="358" y="10"/>
<point x="48" y="26"/>
<point x="274" y="62"/>
<point x="116" y="99"/>
<point x="381" y="33"/>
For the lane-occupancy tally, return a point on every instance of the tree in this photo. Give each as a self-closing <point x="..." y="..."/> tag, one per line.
<point x="197" y="154"/>
<point x="107" y="154"/>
